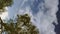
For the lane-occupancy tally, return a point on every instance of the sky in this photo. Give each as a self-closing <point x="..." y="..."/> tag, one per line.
<point x="42" y="12"/>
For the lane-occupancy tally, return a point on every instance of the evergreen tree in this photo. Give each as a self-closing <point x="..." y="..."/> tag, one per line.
<point x="25" y="25"/>
<point x="3" y="4"/>
<point x="22" y="26"/>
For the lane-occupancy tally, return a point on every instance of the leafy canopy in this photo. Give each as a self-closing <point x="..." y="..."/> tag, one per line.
<point x="5" y="3"/>
<point x="22" y="26"/>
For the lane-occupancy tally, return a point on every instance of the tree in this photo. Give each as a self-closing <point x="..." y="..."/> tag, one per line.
<point x="1" y="25"/>
<point x="5" y="3"/>
<point x="23" y="25"/>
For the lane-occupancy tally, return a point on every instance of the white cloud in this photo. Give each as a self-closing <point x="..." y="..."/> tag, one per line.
<point x="4" y="15"/>
<point x="44" y="19"/>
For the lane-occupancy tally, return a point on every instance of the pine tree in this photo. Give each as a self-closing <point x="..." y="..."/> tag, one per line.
<point x="3" y="4"/>
<point x="23" y="25"/>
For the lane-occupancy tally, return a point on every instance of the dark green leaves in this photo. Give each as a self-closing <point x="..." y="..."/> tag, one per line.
<point x="5" y="3"/>
<point x="22" y="26"/>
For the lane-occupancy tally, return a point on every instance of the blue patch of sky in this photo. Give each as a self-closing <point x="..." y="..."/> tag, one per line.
<point x="35" y="5"/>
<point x="18" y="4"/>
<point x="14" y="8"/>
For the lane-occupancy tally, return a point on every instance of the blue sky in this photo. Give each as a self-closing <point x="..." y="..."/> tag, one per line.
<point x="17" y="5"/>
<point x="13" y="9"/>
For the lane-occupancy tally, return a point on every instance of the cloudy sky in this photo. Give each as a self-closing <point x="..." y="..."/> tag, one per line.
<point x="42" y="12"/>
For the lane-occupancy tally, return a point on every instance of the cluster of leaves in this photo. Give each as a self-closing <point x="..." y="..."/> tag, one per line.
<point x="22" y="26"/>
<point x="5" y="3"/>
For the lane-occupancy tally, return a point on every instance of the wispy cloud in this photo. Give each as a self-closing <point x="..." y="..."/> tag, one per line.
<point x="46" y="16"/>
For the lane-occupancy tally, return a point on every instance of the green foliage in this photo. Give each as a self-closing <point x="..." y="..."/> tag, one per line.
<point x="24" y="18"/>
<point x="5" y="3"/>
<point x="22" y="26"/>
